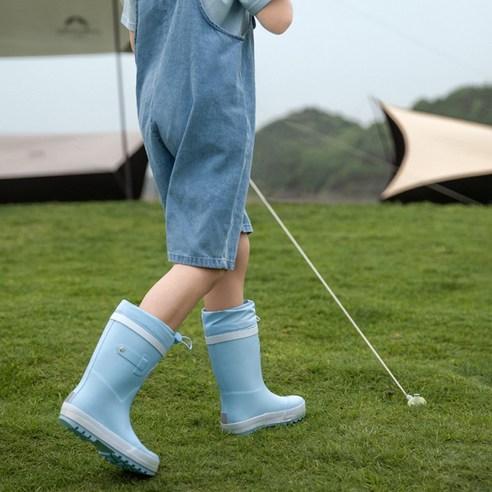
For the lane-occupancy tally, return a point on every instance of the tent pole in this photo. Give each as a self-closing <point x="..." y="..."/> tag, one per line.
<point x="386" y="151"/>
<point x="121" y="101"/>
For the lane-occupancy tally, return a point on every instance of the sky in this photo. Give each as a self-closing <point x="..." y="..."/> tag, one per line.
<point x="338" y="56"/>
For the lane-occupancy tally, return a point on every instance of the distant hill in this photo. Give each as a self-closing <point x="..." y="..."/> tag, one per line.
<point x="316" y="156"/>
<point x="469" y="103"/>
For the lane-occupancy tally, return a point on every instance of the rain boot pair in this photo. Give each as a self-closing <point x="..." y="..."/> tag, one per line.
<point x="132" y="344"/>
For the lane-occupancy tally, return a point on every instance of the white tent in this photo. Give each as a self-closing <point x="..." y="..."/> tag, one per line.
<point x="60" y="27"/>
<point x="439" y="158"/>
<point x="68" y="167"/>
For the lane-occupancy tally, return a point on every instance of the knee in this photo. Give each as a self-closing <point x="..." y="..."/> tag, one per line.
<point x="210" y="276"/>
<point x="216" y="276"/>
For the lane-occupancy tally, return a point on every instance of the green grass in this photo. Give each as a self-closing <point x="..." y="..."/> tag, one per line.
<point x="417" y="279"/>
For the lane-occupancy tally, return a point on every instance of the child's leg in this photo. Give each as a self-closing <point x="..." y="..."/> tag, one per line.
<point x="228" y="292"/>
<point x="134" y="340"/>
<point x="178" y="291"/>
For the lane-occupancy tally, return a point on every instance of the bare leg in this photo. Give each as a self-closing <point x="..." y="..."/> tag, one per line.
<point x="173" y="297"/>
<point x="228" y="292"/>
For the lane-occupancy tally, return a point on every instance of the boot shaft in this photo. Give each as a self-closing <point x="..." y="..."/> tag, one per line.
<point x="234" y="348"/>
<point x="131" y="345"/>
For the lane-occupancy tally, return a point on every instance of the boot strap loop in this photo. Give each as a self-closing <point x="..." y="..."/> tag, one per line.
<point x="186" y="341"/>
<point x="232" y="335"/>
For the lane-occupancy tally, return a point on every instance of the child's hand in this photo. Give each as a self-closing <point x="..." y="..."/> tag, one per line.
<point x="277" y="16"/>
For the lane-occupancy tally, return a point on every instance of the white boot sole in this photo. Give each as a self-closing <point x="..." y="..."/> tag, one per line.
<point x="108" y="444"/>
<point x="270" y="419"/>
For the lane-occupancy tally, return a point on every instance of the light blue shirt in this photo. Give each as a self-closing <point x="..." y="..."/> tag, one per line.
<point x="231" y="15"/>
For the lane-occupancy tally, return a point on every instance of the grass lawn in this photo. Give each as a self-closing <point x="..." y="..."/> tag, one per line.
<point x="417" y="279"/>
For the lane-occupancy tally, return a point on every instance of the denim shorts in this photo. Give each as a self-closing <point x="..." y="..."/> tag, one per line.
<point x="196" y="105"/>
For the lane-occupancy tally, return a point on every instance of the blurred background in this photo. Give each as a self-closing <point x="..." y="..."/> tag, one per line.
<point x="318" y="86"/>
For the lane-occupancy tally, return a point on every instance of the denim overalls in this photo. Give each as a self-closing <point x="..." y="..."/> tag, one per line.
<point x="196" y="107"/>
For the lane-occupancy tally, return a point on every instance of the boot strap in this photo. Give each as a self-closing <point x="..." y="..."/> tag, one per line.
<point x="139" y="330"/>
<point x="232" y="335"/>
<point x="140" y="361"/>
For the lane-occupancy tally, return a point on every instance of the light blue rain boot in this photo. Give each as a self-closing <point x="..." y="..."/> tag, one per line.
<point x="98" y="409"/>
<point x="234" y="349"/>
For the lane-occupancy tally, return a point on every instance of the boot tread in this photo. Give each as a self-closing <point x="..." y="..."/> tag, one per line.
<point x="107" y="452"/>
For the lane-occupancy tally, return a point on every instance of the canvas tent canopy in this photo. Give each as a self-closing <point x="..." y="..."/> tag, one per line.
<point x="60" y="27"/>
<point x="40" y="167"/>
<point x="438" y="159"/>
